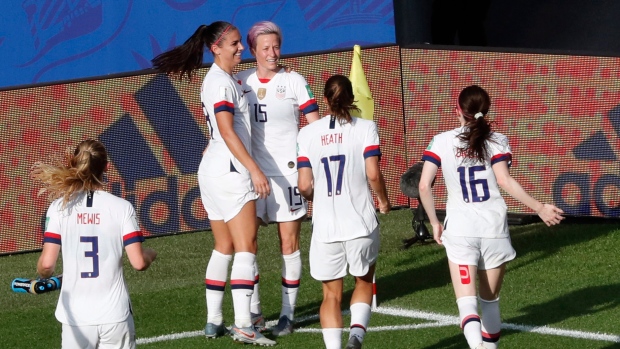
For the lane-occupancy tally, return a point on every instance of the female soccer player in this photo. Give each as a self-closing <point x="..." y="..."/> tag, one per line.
<point x="338" y="156"/>
<point x="91" y="227"/>
<point x="229" y="179"/>
<point x="277" y="99"/>
<point x="475" y="162"/>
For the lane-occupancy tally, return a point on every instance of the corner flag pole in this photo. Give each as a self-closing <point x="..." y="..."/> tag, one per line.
<point x="361" y="91"/>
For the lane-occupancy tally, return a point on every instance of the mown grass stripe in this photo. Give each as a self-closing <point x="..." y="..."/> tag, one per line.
<point x="436" y="320"/>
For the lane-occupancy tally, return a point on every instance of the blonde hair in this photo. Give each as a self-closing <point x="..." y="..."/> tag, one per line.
<point x="81" y="170"/>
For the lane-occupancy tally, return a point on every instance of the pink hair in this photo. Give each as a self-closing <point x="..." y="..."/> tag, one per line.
<point x="262" y="28"/>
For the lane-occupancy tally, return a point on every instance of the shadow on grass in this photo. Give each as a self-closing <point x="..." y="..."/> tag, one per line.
<point x="583" y="302"/>
<point x="536" y="238"/>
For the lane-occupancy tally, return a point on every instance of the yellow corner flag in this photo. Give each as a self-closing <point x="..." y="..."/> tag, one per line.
<point x="361" y="91"/>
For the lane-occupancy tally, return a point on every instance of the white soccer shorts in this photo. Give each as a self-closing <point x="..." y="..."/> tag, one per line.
<point x="284" y="203"/>
<point x="329" y="260"/>
<point x="223" y="197"/>
<point x="486" y="253"/>
<point x="121" y="335"/>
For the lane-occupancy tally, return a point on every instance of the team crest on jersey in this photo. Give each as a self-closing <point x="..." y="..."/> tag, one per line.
<point x="262" y="92"/>
<point x="280" y="92"/>
<point x="309" y="91"/>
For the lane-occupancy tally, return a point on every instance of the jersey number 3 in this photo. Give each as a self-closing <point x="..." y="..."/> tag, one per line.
<point x="467" y="178"/>
<point x="94" y="254"/>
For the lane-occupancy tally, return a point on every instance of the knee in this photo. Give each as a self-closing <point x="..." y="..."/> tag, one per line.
<point x="332" y="297"/>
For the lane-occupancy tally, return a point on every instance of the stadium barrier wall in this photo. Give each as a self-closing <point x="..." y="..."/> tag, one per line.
<point x="561" y="113"/>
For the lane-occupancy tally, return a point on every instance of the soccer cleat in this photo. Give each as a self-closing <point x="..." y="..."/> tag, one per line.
<point x="251" y="336"/>
<point x="213" y="331"/>
<point x="258" y="321"/>
<point x="353" y="343"/>
<point x="284" y="327"/>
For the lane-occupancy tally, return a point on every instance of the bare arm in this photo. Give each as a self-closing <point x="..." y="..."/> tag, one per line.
<point x="377" y="183"/>
<point x="305" y="183"/>
<point x="313" y="116"/>
<point x="47" y="261"/>
<point x="140" y="258"/>
<point x="429" y="171"/>
<point x="232" y="140"/>
<point x="549" y="214"/>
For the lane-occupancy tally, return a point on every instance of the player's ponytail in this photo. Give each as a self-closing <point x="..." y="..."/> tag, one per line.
<point x="184" y="59"/>
<point x="82" y="169"/>
<point x="340" y="98"/>
<point x="474" y="102"/>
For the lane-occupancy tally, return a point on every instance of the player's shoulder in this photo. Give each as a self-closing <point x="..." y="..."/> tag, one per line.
<point x="498" y="136"/>
<point x="314" y="127"/>
<point x="245" y="74"/>
<point x="448" y="135"/>
<point x="114" y="201"/>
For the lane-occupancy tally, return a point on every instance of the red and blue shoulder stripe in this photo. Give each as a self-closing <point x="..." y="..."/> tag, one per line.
<point x="52" y="238"/>
<point x="309" y="106"/>
<point x="224" y="106"/>
<point x="303" y="161"/>
<point x="372" y="150"/>
<point x="131" y="238"/>
<point x="432" y="157"/>
<point x="502" y="157"/>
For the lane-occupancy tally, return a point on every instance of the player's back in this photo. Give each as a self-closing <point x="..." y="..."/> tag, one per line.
<point x="475" y="206"/>
<point x="93" y="229"/>
<point x="343" y="208"/>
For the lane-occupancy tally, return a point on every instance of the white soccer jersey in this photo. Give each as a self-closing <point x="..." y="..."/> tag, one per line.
<point x="475" y="207"/>
<point x="92" y="231"/>
<point x="343" y="206"/>
<point x="221" y="91"/>
<point x="275" y="106"/>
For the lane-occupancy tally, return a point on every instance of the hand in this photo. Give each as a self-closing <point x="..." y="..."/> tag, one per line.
<point x="437" y="232"/>
<point x="261" y="184"/>
<point x="149" y="254"/>
<point x="550" y="214"/>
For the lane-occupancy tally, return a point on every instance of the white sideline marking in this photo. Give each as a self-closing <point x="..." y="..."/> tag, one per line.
<point x="435" y="320"/>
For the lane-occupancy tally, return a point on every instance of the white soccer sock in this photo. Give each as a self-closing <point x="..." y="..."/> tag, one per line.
<point x="291" y="275"/>
<point x="242" y="285"/>
<point x="360" y="316"/>
<point x="332" y="337"/>
<point x="470" y="321"/>
<point x="215" y="282"/>
<point x="491" y="323"/>
<point x="255" y="303"/>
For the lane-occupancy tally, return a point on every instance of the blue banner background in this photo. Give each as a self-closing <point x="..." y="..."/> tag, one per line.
<point x="43" y="41"/>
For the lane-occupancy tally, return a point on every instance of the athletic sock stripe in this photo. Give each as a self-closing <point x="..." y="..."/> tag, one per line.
<point x="257" y="279"/>
<point x="358" y="326"/>
<point x="215" y="285"/>
<point x="290" y="283"/>
<point x="490" y="337"/>
<point x="469" y="319"/>
<point x="242" y="284"/>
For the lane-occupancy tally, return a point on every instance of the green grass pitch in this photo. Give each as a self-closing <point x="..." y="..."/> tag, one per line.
<point x="562" y="291"/>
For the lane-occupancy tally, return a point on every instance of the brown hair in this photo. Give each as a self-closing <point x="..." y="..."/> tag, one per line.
<point x="474" y="102"/>
<point x="340" y="98"/>
<point x="81" y="170"/>
<point x="183" y="60"/>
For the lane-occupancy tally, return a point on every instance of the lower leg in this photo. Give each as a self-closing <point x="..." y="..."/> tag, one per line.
<point x="215" y="282"/>
<point x="491" y="323"/>
<point x="330" y="313"/>
<point x="242" y="286"/>
<point x="361" y="300"/>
